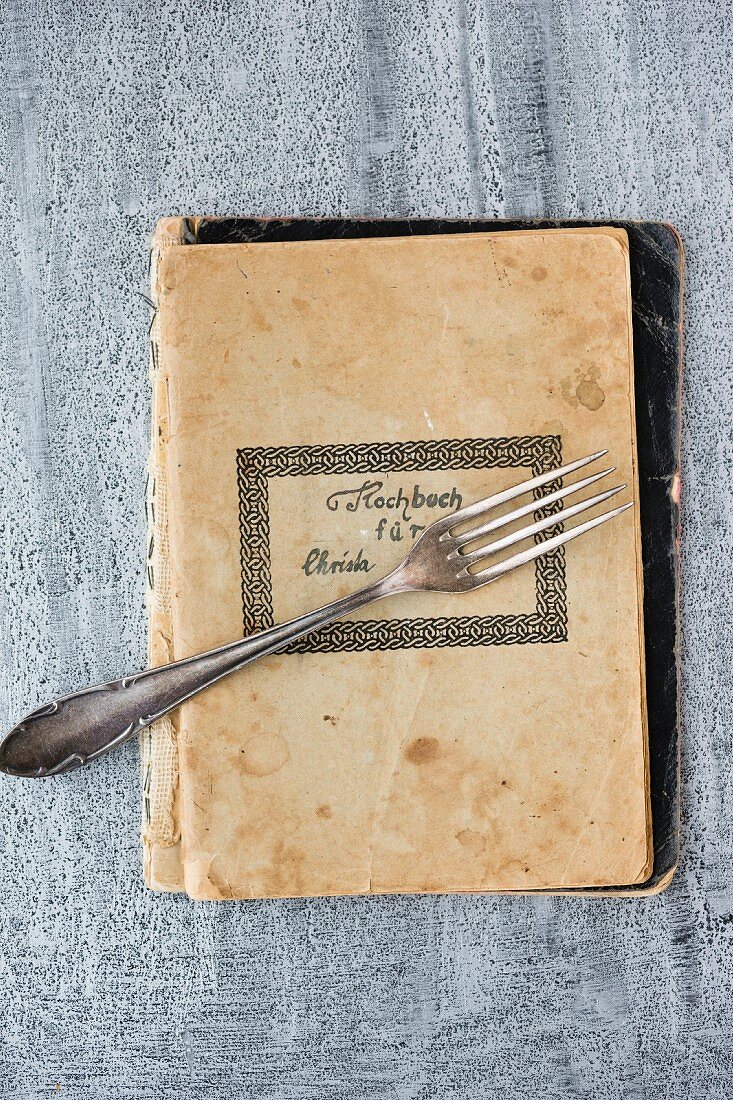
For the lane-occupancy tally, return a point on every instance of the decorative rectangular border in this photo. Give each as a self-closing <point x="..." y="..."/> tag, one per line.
<point x="256" y="465"/>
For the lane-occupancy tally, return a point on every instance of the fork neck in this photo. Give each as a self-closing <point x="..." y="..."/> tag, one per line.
<point x="267" y="641"/>
<point x="390" y="585"/>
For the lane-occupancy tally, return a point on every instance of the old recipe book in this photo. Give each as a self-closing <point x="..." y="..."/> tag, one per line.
<point x="316" y="404"/>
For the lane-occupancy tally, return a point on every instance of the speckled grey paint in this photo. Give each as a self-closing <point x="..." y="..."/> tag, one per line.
<point x="117" y="112"/>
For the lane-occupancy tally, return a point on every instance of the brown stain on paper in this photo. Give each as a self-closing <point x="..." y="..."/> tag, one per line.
<point x="264" y="754"/>
<point x="589" y="393"/>
<point x="423" y="750"/>
<point x="474" y="841"/>
<point x="586" y="392"/>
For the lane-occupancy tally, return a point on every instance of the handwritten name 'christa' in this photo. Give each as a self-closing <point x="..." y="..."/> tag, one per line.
<point x="319" y="561"/>
<point x="369" y="495"/>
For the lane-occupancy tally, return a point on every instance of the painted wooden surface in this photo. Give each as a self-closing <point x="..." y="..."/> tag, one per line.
<point x="114" y="113"/>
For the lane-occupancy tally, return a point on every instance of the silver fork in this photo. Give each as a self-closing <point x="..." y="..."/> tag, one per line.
<point x="447" y="557"/>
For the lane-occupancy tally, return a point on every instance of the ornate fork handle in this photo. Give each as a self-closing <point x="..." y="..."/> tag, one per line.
<point x="77" y="728"/>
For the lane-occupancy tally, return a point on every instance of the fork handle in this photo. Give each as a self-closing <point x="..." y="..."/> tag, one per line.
<point x="74" y="729"/>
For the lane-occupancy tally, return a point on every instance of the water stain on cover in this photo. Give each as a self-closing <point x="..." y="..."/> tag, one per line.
<point x="285" y="875"/>
<point x="589" y="393"/>
<point x="423" y="750"/>
<point x="474" y="841"/>
<point x="586" y="392"/>
<point x="264" y="754"/>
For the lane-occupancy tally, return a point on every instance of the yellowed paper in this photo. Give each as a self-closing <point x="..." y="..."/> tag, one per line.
<point x="324" y="401"/>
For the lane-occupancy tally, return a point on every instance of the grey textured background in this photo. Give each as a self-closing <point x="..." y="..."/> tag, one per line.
<point x="117" y="111"/>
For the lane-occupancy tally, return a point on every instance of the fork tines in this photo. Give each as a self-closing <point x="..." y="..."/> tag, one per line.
<point x="467" y="559"/>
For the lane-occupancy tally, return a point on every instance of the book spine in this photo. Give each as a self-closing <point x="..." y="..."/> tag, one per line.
<point x="158" y="743"/>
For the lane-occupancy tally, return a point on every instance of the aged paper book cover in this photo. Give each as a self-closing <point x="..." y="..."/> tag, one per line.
<point x="316" y="404"/>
